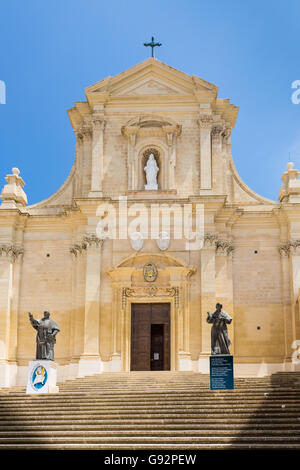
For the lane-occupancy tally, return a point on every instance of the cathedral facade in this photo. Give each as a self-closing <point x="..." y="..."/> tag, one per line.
<point x="150" y="230"/>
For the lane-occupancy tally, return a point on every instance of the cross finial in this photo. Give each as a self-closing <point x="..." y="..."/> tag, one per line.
<point x="152" y="44"/>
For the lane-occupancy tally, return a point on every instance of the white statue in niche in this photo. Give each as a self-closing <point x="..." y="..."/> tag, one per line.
<point x="151" y="170"/>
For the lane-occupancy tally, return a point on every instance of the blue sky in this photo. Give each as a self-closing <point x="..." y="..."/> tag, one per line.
<point x="50" y="51"/>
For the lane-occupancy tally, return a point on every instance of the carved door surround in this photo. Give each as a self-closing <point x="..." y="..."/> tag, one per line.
<point x="171" y="286"/>
<point x="144" y="132"/>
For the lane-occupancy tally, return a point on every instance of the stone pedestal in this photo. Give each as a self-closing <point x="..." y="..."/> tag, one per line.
<point x="42" y="377"/>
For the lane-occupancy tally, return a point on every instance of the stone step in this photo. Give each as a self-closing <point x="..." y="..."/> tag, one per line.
<point x="202" y="406"/>
<point x="146" y="415"/>
<point x="128" y="434"/>
<point x="157" y="446"/>
<point x="154" y="409"/>
<point x="206" y="420"/>
<point x="150" y="439"/>
<point x="230" y="394"/>
<point x="86" y="426"/>
<point x="164" y="410"/>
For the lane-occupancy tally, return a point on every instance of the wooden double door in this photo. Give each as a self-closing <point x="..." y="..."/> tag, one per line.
<point x="150" y="336"/>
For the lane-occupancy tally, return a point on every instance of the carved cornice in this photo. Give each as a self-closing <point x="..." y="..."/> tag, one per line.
<point x="11" y="252"/>
<point x="153" y="291"/>
<point x="154" y="129"/>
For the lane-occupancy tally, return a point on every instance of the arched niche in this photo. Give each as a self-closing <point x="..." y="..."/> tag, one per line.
<point x="160" y="157"/>
<point x="159" y="133"/>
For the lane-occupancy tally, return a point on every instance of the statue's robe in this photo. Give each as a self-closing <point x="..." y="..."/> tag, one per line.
<point x="44" y="341"/>
<point x="220" y="341"/>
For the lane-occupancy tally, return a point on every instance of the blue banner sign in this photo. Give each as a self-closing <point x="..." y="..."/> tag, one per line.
<point x="221" y="372"/>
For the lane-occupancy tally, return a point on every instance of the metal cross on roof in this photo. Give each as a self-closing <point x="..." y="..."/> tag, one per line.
<point x="152" y="44"/>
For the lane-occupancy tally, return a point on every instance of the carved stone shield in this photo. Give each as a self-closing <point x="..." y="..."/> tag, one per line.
<point x="163" y="241"/>
<point x="150" y="272"/>
<point x="137" y="241"/>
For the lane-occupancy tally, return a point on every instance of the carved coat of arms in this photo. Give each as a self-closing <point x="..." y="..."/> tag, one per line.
<point x="150" y="272"/>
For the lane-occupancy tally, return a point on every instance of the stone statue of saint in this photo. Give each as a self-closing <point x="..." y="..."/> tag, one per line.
<point x="47" y="329"/>
<point x="219" y="335"/>
<point x="151" y="170"/>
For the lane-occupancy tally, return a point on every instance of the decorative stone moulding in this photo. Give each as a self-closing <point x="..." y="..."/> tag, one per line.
<point x="224" y="247"/>
<point x="217" y="132"/>
<point x="289" y="248"/>
<point x="92" y="240"/>
<point x="210" y="239"/>
<point x="11" y="252"/>
<point x="153" y="291"/>
<point x="151" y="126"/>
<point x="205" y="121"/>
<point x="88" y="241"/>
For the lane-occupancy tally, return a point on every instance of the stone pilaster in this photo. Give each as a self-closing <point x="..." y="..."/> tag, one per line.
<point x="218" y="163"/>
<point x="208" y="287"/>
<point x="86" y="132"/>
<point x="90" y="361"/>
<point x="224" y="281"/>
<point x="78" y="162"/>
<point x="10" y="265"/>
<point x="284" y="251"/>
<point x="171" y="133"/>
<point x="205" y="125"/>
<point x="131" y="133"/>
<point x="97" y="157"/>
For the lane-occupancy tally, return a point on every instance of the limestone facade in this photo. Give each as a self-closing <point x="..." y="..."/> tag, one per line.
<point x="53" y="256"/>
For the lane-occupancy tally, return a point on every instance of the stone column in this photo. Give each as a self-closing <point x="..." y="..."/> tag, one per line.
<point x="205" y="124"/>
<point x="90" y="361"/>
<point x="97" y="157"/>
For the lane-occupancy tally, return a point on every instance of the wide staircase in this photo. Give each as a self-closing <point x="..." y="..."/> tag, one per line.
<point x="154" y="410"/>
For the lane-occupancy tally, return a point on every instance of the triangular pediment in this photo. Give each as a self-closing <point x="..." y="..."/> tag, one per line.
<point x="151" y="86"/>
<point x="150" y="78"/>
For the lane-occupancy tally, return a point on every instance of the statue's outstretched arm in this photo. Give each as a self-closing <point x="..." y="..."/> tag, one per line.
<point x="34" y="322"/>
<point x="209" y="318"/>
